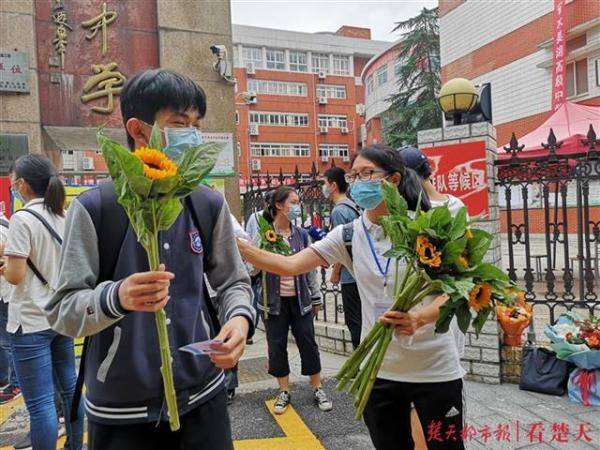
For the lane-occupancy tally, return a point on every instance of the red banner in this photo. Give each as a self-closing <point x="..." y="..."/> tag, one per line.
<point x="460" y="170"/>
<point x="5" y="195"/>
<point x="559" y="72"/>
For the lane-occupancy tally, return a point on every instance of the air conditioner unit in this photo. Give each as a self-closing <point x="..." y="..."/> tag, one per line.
<point x="254" y="129"/>
<point x="250" y="68"/>
<point x="360" y="109"/>
<point x="255" y="165"/>
<point x="322" y="100"/>
<point x="344" y="130"/>
<point x="323" y="130"/>
<point x="69" y="161"/>
<point x="251" y="98"/>
<point x="87" y="163"/>
<point x="346" y="159"/>
<point x="324" y="158"/>
<point x="322" y="74"/>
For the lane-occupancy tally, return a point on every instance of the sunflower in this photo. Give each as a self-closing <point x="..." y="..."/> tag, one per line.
<point x="480" y="297"/>
<point x="271" y="236"/>
<point x="156" y="164"/>
<point x="468" y="233"/>
<point x="463" y="259"/>
<point x="428" y="253"/>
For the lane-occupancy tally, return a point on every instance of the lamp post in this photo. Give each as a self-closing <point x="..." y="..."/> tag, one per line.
<point x="457" y="97"/>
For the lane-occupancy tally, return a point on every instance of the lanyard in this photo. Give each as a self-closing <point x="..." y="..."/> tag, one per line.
<point x="375" y="257"/>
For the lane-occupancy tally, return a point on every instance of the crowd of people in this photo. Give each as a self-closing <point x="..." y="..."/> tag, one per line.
<point x="83" y="274"/>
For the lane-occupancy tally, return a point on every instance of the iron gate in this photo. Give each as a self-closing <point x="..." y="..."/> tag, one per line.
<point x="552" y="223"/>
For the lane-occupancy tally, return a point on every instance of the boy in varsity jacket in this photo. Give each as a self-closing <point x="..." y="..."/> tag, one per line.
<point x="106" y="293"/>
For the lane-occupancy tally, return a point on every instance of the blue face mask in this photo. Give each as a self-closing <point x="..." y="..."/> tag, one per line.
<point x="367" y="194"/>
<point x="294" y="212"/>
<point x="180" y="140"/>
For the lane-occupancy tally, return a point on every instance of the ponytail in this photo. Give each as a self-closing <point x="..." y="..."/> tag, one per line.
<point x="54" y="197"/>
<point x="389" y="160"/>
<point x="41" y="176"/>
<point x="274" y="197"/>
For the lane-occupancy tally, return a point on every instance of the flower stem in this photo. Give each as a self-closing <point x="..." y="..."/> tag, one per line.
<point x="166" y="368"/>
<point x="264" y="296"/>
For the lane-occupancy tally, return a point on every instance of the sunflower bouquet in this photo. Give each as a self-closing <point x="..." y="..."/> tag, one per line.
<point x="150" y="187"/>
<point x="272" y="242"/>
<point x="440" y="254"/>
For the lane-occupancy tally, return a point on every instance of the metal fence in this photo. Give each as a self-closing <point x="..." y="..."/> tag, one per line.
<point x="553" y="245"/>
<point x="315" y="209"/>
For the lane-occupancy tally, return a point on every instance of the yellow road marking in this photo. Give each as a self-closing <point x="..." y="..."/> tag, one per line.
<point x="297" y="435"/>
<point x="7" y="409"/>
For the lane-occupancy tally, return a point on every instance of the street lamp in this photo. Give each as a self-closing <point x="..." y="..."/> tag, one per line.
<point x="457" y="97"/>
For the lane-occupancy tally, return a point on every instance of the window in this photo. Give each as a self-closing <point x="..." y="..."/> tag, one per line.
<point x="331" y="91"/>
<point x="397" y="68"/>
<point x="236" y="56"/>
<point x="341" y="65"/>
<point x="252" y="55"/>
<point x="237" y="118"/>
<point x="334" y="151"/>
<point x="320" y="62"/>
<point x="279" y="119"/>
<point x="279" y="150"/>
<point x="332" y="121"/>
<point x="382" y="75"/>
<point x="275" y="59"/>
<point x="577" y="78"/>
<point x="370" y="85"/>
<point x="277" y="87"/>
<point x="298" y="61"/>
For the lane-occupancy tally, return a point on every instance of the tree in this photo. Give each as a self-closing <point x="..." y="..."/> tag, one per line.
<point x="414" y="107"/>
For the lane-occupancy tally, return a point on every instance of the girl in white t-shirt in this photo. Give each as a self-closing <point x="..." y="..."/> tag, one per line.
<point x="44" y="360"/>
<point x="426" y="371"/>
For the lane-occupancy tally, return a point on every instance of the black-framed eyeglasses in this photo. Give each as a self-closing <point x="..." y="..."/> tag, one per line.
<point x="363" y="175"/>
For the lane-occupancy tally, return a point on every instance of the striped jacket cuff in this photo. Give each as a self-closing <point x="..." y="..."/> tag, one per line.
<point x="109" y="301"/>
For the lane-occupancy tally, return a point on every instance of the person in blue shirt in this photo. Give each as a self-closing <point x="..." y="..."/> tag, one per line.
<point x="345" y="211"/>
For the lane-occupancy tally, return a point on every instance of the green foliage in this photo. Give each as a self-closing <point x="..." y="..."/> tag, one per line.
<point x="414" y="106"/>
<point x="279" y="245"/>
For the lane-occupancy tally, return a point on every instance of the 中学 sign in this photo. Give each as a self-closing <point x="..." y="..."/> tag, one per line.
<point x="460" y="170"/>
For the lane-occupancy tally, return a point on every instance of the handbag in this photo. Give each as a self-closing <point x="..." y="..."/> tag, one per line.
<point x="542" y="371"/>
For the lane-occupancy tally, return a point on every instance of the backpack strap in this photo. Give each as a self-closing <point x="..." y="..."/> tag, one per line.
<point x="352" y="206"/>
<point x="54" y="235"/>
<point x="4" y="223"/>
<point x="347" y="234"/>
<point x="206" y="201"/>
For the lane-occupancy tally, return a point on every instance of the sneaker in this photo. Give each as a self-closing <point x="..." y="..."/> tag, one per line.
<point x="24" y="444"/>
<point x="322" y="401"/>
<point x="230" y="396"/>
<point x="62" y="430"/>
<point x="8" y="394"/>
<point x="282" y="402"/>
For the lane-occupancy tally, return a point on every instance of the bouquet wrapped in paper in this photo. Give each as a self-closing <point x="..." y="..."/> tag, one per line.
<point x="441" y="254"/>
<point x="150" y="186"/>
<point x="576" y="340"/>
<point x="514" y="316"/>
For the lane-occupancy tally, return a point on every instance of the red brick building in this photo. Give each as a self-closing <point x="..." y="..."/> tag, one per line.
<point x="299" y="98"/>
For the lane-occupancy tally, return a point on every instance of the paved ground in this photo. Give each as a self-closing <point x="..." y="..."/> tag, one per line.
<point x="498" y="409"/>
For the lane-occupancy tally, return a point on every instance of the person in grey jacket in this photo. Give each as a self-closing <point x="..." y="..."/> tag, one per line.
<point x="292" y="302"/>
<point x="124" y="398"/>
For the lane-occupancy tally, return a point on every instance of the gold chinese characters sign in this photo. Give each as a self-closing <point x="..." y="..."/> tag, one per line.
<point x="100" y="22"/>
<point x="60" y="37"/>
<point x="106" y="82"/>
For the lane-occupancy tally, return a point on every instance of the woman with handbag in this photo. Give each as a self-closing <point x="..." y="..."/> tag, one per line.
<point x="44" y="360"/>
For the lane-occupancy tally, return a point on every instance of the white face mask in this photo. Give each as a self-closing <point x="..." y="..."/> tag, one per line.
<point x="179" y="140"/>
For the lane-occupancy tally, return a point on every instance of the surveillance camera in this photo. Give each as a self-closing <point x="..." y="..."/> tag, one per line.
<point x="219" y="50"/>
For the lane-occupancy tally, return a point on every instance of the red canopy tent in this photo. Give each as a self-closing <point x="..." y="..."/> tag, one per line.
<point x="570" y="124"/>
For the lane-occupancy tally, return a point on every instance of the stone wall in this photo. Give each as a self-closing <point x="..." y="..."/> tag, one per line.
<point x="482" y="354"/>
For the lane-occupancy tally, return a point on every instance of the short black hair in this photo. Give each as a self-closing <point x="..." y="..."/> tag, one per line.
<point x="337" y="175"/>
<point x="149" y="91"/>
<point x="416" y="160"/>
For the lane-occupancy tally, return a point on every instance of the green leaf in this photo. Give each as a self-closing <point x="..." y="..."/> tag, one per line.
<point x="452" y="250"/>
<point x="478" y="246"/>
<point x="480" y="320"/>
<point x="167" y="213"/>
<point x="156" y="138"/>
<point x="463" y="315"/>
<point x="195" y="164"/>
<point x="464" y="287"/>
<point x="140" y="185"/>
<point x="395" y="203"/>
<point x="447" y="311"/>
<point x="440" y="217"/>
<point x="459" y="224"/>
<point x="486" y="272"/>
<point x="164" y="186"/>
